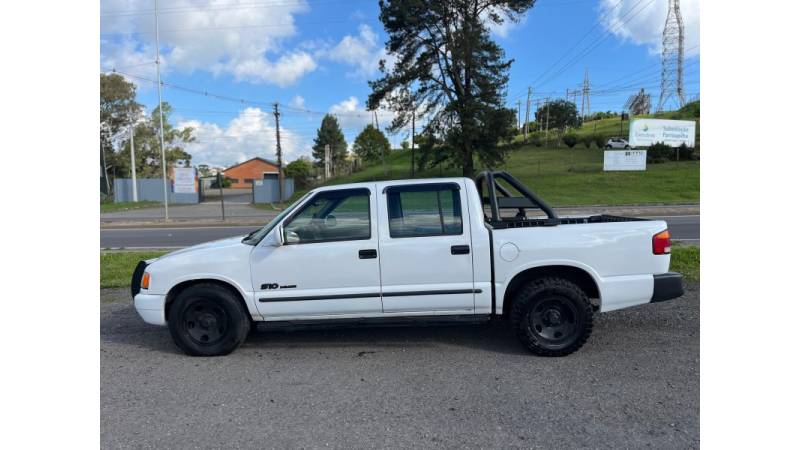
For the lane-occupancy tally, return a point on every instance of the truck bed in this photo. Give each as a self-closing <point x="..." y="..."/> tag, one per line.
<point x="515" y="222"/>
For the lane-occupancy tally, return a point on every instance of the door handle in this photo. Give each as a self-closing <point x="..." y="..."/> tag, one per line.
<point x="367" y="254"/>
<point x="459" y="250"/>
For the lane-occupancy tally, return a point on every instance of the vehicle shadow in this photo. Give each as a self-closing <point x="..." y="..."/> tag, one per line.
<point x="119" y="324"/>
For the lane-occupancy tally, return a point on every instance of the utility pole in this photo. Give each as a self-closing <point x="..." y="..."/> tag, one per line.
<point x="527" y="113"/>
<point x="585" y="108"/>
<point x="519" y="115"/>
<point x="161" y="120"/>
<point x="133" y="166"/>
<point x="280" y="153"/>
<point x="327" y="161"/>
<point x="547" y="124"/>
<point x="672" y="58"/>
<point x="538" y="121"/>
<point x="413" y="124"/>
<point x="383" y="157"/>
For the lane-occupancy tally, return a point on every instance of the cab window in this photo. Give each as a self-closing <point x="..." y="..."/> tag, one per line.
<point x="424" y="210"/>
<point x="341" y="215"/>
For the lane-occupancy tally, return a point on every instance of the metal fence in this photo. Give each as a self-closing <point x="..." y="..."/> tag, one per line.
<point x="149" y="189"/>
<point x="266" y="190"/>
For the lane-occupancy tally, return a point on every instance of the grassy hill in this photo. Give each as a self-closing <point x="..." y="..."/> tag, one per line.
<point x="614" y="127"/>
<point x="568" y="177"/>
<point x="564" y="176"/>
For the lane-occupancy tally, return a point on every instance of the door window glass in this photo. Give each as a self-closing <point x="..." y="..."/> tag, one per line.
<point x="331" y="216"/>
<point x="422" y="210"/>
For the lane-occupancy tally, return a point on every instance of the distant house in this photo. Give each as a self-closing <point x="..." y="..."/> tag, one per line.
<point x="243" y="174"/>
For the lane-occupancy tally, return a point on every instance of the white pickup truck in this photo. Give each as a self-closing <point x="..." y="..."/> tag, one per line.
<point x="424" y="250"/>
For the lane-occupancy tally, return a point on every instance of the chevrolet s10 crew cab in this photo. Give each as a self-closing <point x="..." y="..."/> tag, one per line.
<point x="423" y="250"/>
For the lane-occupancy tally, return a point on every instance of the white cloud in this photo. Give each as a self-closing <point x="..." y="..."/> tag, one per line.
<point x="354" y="116"/>
<point x="645" y="25"/>
<point x="235" y="38"/>
<point x="298" y="102"/>
<point x="250" y="134"/>
<point x="503" y="29"/>
<point x="363" y="51"/>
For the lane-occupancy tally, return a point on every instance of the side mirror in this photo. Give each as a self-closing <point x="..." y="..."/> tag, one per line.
<point x="291" y="237"/>
<point x="274" y="239"/>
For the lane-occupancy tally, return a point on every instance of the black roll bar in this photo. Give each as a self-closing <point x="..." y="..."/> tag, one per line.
<point x="489" y="177"/>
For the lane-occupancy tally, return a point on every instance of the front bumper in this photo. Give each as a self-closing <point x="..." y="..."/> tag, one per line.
<point x="151" y="308"/>
<point x="667" y="286"/>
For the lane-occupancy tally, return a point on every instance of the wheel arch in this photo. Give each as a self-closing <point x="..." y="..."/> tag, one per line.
<point x="580" y="276"/>
<point x="176" y="290"/>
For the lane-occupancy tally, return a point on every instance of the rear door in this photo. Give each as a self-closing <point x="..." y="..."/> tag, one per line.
<point x="425" y="249"/>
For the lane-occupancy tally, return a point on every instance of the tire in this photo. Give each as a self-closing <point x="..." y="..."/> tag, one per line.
<point x="208" y="320"/>
<point x="608" y="147"/>
<point x="552" y="316"/>
<point x="627" y="147"/>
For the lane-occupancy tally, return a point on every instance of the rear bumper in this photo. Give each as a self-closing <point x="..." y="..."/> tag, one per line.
<point x="667" y="286"/>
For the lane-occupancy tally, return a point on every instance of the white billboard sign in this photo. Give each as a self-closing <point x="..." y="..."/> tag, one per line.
<point x="184" y="180"/>
<point x="646" y="132"/>
<point x="624" y="160"/>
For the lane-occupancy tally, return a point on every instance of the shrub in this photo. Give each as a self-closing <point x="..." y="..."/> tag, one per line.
<point x="587" y="140"/>
<point x="536" y="140"/>
<point x="659" y="153"/>
<point x="570" y="140"/>
<point x="600" y="141"/>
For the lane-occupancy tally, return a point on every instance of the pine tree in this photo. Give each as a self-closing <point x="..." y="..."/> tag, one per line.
<point x="330" y="133"/>
<point x="447" y="67"/>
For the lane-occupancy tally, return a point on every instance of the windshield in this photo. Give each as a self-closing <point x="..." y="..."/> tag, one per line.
<point x="256" y="236"/>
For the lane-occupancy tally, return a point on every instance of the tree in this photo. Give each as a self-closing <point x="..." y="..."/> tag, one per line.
<point x="118" y="106"/>
<point x="300" y="171"/>
<point x="118" y="110"/>
<point x="448" y="68"/>
<point x="148" y="148"/>
<point x="329" y="133"/>
<point x="561" y="114"/>
<point x="371" y="144"/>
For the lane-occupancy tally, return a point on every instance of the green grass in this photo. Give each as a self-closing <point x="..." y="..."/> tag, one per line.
<point x="686" y="260"/>
<point x="568" y="177"/>
<point x="116" y="268"/>
<point x="124" y="206"/>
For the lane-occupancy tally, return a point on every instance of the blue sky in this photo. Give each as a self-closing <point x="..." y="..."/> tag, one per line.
<point x="316" y="56"/>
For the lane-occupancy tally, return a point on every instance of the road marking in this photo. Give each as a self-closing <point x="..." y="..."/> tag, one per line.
<point x="668" y="217"/>
<point x="183" y="228"/>
<point x="159" y="247"/>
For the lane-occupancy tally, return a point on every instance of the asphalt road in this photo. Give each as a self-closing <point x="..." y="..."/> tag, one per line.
<point x="685" y="228"/>
<point x="634" y="384"/>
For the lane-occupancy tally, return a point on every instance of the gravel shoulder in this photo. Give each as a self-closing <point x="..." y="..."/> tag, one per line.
<point x="634" y="384"/>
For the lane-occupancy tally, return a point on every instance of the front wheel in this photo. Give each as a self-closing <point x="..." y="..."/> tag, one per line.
<point x="552" y="317"/>
<point x="627" y="147"/>
<point x="208" y="320"/>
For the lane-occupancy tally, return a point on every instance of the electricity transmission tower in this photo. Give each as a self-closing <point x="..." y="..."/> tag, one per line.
<point x="585" y="108"/>
<point x="672" y="58"/>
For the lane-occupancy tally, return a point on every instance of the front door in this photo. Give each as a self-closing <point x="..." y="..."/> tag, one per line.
<point x="329" y="264"/>
<point x="425" y="251"/>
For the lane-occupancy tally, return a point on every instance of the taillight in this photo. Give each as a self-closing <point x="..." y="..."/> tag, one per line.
<point x="661" y="243"/>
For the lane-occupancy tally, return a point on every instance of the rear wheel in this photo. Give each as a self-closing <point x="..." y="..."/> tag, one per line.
<point x="208" y="320"/>
<point x="552" y="316"/>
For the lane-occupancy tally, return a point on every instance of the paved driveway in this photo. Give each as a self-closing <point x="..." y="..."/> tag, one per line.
<point x="635" y="384"/>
